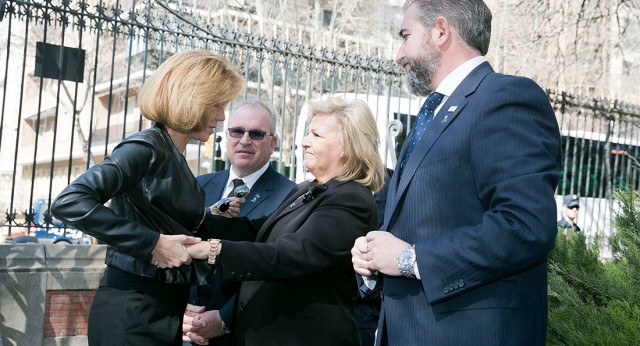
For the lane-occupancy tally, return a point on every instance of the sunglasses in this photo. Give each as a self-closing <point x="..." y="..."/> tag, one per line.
<point x="256" y="135"/>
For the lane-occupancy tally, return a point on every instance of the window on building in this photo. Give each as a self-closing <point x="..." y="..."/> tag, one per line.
<point x="326" y="17"/>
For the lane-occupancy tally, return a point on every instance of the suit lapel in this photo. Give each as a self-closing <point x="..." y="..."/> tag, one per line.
<point x="214" y="186"/>
<point x="293" y="204"/>
<point x="447" y="114"/>
<point x="260" y="192"/>
<point x="283" y="209"/>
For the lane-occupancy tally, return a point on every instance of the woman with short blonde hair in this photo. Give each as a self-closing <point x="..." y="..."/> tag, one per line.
<point x="182" y="91"/>
<point x="156" y="204"/>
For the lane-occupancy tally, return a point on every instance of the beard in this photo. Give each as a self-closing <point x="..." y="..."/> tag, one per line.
<point x="422" y="69"/>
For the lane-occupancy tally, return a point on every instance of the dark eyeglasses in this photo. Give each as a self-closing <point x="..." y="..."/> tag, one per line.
<point x="256" y="135"/>
<point x="574" y="207"/>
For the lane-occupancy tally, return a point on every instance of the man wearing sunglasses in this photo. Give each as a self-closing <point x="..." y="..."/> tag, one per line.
<point x="570" y="208"/>
<point x="251" y="140"/>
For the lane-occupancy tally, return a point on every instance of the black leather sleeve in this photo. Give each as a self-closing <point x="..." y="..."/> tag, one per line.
<point x="81" y="204"/>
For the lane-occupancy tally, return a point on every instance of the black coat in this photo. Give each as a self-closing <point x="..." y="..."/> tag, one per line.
<point x="299" y="285"/>
<point x="152" y="192"/>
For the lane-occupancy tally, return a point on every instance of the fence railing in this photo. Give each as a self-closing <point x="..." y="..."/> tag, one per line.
<point x="70" y="72"/>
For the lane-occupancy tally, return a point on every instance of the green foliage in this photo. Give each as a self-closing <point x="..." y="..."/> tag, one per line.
<point x="592" y="302"/>
<point x="626" y="241"/>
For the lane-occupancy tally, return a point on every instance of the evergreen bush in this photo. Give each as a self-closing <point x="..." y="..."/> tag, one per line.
<point x="592" y="302"/>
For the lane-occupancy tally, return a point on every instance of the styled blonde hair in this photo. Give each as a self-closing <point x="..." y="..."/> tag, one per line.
<point x="182" y="91"/>
<point x="359" y="137"/>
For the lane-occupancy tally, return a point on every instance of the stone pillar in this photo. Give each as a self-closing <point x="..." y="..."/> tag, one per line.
<point x="32" y="273"/>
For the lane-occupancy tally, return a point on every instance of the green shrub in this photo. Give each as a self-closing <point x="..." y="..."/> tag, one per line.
<point x="592" y="302"/>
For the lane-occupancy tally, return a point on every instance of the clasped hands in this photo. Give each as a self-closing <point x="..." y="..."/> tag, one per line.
<point x="377" y="252"/>
<point x="176" y="250"/>
<point x="199" y="325"/>
<point x="173" y="251"/>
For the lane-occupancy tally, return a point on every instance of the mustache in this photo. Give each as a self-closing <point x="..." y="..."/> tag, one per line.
<point x="405" y="61"/>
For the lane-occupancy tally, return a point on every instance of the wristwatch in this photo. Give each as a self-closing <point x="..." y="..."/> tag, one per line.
<point x="406" y="260"/>
<point x="225" y="329"/>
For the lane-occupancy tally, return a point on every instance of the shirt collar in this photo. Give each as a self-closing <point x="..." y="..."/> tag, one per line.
<point x="249" y="180"/>
<point x="453" y="79"/>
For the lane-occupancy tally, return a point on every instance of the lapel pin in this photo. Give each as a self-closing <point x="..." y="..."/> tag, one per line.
<point x="255" y="198"/>
<point x="446" y="116"/>
<point x="452" y="108"/>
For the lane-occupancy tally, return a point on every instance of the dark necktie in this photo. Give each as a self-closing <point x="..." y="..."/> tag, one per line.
<point x="236" y="182"/>
<point x="424" y="118"/>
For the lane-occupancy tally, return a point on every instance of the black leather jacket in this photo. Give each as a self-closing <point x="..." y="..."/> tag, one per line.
<point x="152" y="191"/>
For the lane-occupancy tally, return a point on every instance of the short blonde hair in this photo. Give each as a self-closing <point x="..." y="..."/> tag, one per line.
<point x="182" y="91"/>
<point x="359" y="137"/>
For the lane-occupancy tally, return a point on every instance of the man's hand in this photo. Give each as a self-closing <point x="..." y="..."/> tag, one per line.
<point x="199" y="326"/>
<point x="231" y="210"/>
<point x="170" y="251"/>
<point x="377" y="252"/>
<point x="190" y="320"/>
<point x="359" y="257"/>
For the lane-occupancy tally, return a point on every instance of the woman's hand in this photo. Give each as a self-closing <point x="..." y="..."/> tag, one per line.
<point x="199" y="250"/>
<point x="170" y="251"/>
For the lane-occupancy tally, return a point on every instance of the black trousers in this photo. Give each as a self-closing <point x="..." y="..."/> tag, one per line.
<point x="133" y="310"/>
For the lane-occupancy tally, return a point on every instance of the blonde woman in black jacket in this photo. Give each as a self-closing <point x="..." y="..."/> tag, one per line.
<point x="156" y="204"/>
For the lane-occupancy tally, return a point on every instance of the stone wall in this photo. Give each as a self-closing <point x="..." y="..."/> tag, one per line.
<point x="46" y="292"/>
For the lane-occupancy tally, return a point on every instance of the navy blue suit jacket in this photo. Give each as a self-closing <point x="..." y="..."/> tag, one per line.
<point x="265" y="196"/>
<point x="477" y="200"/>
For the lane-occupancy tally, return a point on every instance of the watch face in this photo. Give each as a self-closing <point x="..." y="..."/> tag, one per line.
<point x="406" y="258"/>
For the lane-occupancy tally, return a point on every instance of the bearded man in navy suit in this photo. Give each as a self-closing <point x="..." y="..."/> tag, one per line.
<point x="251" y="139"/>
<point x="470" y="213"/>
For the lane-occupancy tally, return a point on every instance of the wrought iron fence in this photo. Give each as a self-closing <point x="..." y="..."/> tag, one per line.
<point x="71" y="71"/>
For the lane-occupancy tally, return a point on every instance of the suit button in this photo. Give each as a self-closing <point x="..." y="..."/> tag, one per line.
<point x="460" y="283"/>
<point x="234" y="275"/>
<point x="248" y="275"/>
<point x="446" y="289"/>
<point x="243" y="307"/>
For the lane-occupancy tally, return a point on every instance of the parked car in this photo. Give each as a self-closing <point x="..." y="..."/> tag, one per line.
<point x="15" y="232"/>
<point x="57" y="232"/>
<point x="25" y="239"/>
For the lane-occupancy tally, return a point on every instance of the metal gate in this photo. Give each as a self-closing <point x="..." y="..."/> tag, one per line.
<point x="70" y="72"/>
